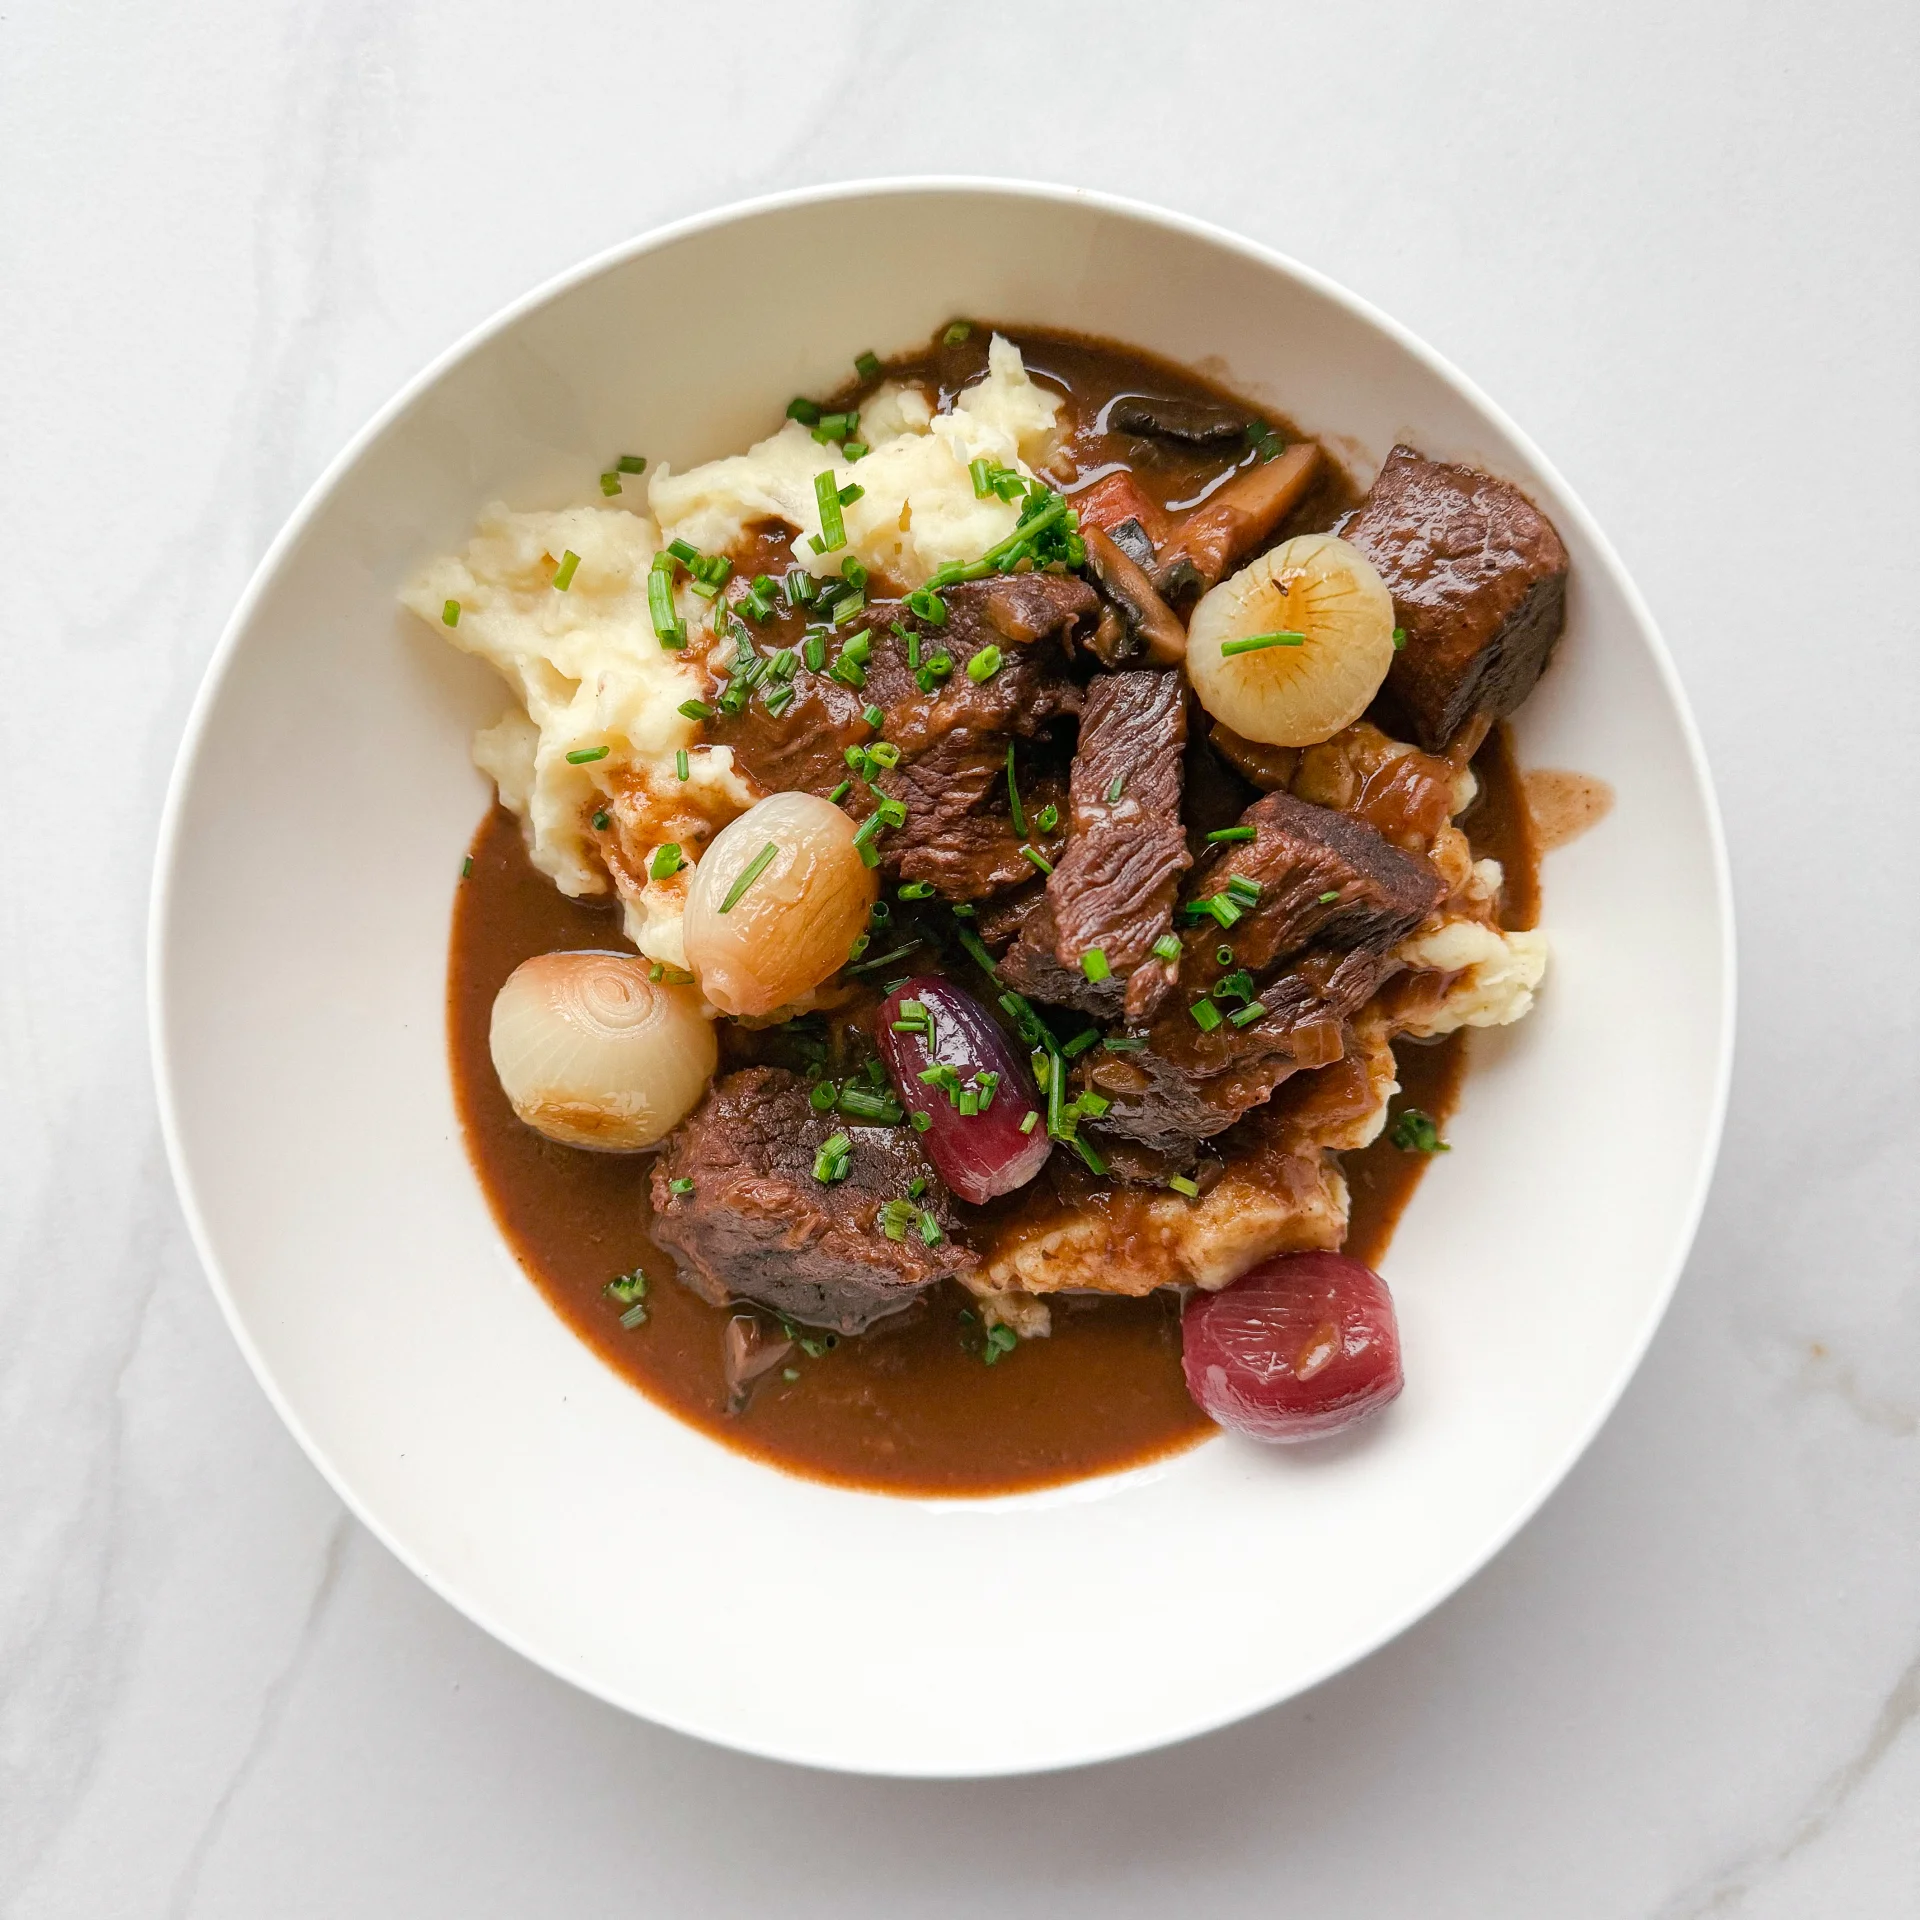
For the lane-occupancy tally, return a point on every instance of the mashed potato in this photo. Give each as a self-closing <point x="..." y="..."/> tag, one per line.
<point x="918" y="510"/>
<point x="589" y="674"/>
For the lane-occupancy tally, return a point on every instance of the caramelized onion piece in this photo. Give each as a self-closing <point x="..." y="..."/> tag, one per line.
<point x="1302" y="1346"/>
<point x="593" y="1052"/>
<point x="761" y="928"/>
<point x="1294" y="646"/>
<point x="928" y="1024"/>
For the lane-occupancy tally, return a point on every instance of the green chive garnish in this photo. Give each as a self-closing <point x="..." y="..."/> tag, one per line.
<point x="667" y="861"/>
<point x="1415" y="1132"/>
<point x="1047" y="818"/>
<point x="1167" y="947"/>
<point x="1206" y="1015"/>
<point x="602" y="821"/>
<point x="1013" y="797"/>
<point x="1255" y="642"/>
<point x="957" y="333"/>
<point x="1399" y="638"/>
<point x="833" y="529"/>
<point x="984" y="665"/>
<point x="807" y="412"/>
<point x="1093" y="963"/>
<point x="693" y="709"/>
<point x="752" y="872"/>
<point x="563" y="574"/>
<point x="682" y="1185"/>
<point x="609" y="483"/>
<point x="681" y="765"/>
<point x="631" y="463"/>
<point x="1037" y="858"/>
<point x="580" y="756"/>
<point x="840" y="792"/>
<point x="666" y="622"/>
<point x="866" y="365"/>
<point x="1221" y="835"/>
<point x="1114" y="791"/>
<point x="1327" y="898"/>
<point x="875" y="717"/>
<point x="1181" y="1184"/>
<point x="466" y="867"/>
<point x="450" y="614"/>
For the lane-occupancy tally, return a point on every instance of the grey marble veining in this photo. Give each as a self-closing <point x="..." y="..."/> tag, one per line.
<point x="1675" y="243"/>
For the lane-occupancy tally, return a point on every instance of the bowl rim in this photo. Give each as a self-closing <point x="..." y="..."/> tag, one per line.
<point x="168" y="848"/>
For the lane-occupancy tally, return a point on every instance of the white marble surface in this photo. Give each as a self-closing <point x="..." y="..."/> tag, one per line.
<point x="1677" y="242"/>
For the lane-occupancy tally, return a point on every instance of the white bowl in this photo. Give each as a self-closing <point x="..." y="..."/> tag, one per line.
<point x="307" y="865"/>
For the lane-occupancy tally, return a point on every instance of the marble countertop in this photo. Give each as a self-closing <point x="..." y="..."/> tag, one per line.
<point x="1677" y="243"/>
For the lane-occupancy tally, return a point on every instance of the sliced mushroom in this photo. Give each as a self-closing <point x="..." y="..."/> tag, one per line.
<point x="1127" y="589"/>
<point x="1188" y="423"/>
<point x="1134" y="541"/>
<point x="747" y="1353"/>
<point x="1216" y="536"/>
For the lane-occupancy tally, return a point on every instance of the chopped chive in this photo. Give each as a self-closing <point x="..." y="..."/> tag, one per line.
<point x="981" y="470"/>
<point x="466" y="868"/>
<point x="682" y="767"/>
<point x="581" y="756"/>
<point x="1081" y="1041"/>
<point x="883" y="959"/>
<point x="1167" y="947"/>
<point x="563" y="573"/>
<point x="609" y="483"/>
<point x="916" y="1187"/>
<point x="929" y="1228"/>
<point x="1047" y="818"/>
<point x="984" y="665"/>
<point x="666" y="861"/>
<point x="1220" y="836"/>
<point x="1236" y="986"/>
<point x="1123" y="1043"/>
<point x="1399" y="638"/>
<point x="749" y="874"/>
<point x="956" y="333"/>
<point x="921" y="1121"/>
<point x="631" y="463"/>
<point x="1257" y="642"/>
<point x="779" y="698"/>
<point x="854" y="450"/>
<point x="849" y="494"/>
<point x="1085" y="1149"/>
<point x="1244" y="892"/>
<point x="925" y="604"/>
<point x="862" y="1103"/>
<point x="1223" y="956"/>
<point x="1416" y="1132"/>
<point x="1248" y="1014"/>
<point x="1030" y="1122"/>
<point x="917" y="890"/>
<point x="822" y="1095"/>
<point x="666" y="622"/>
<point x="1205" y="1014"/>
<point x="895" y="1218"/>
<point x="602" y="821"/>
<point x="834" y="1160"/>
<point x="1326" y="899"/>
<point x="682" y="1185"/>
<point x="1036" y="858"/>
<point x="866" y="365"/>
<point x="969" y="1102"/>
<point x="807" y="412"/>
<point x="813" y="651"/>
<point x="696" y="710"/>
<point x="1119" y="786"/>
<point x="840" y="792"/>
<point x="833" y="529"/>
<point x="1181" y="1184"/>
<point x="1093" y="963"/>
<point x="450" y="614"/>
<point x="875" y="717"/>
<point x="684" y="551"/>
<point x="635" y="1315"/>
<point x="978" y="948"/>
<point x="1013" y="797"/>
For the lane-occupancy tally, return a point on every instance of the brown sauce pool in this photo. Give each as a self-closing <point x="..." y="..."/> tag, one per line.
<point x="909" y="1408"/>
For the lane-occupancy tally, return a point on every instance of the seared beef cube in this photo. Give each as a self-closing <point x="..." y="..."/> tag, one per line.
<point x="757" y="1225"/>
<point x="1032" y="620"/>
<point x="1113" y="889"/>
<point x="999" y="923"/>
<point x="1479" y="582"/>
<point x="1322" y="902"/>
<point x="958" y="834"/>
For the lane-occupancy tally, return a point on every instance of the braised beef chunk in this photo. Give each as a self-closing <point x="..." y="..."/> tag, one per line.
<point x="1479" y="582"/>
<point x="1113" y="888"/>
<point x="1315" y="904"/>
<point x="958" y="835"/>
<point x="999" y="922"/>
<point x="758" y="1226"/>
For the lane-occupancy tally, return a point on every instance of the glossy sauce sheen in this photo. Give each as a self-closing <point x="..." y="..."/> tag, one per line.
<point x="911" y="1407"/>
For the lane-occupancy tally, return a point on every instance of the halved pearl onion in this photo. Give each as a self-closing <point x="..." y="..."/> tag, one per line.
<point x="1293" y="694"/>
<point x="592" y="1052"/>
<point x="757" y="939"/>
